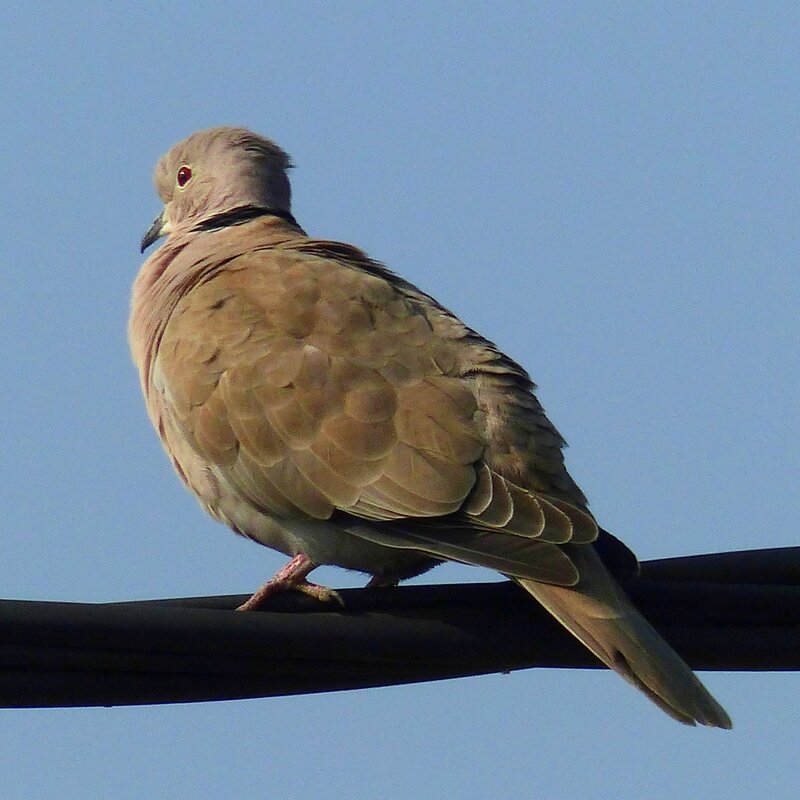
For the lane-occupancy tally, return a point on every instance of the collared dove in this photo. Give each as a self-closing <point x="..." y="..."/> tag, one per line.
<point x="317" y="403"/>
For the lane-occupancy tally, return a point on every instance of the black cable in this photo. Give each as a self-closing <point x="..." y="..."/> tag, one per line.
<point x="728" y="611"/>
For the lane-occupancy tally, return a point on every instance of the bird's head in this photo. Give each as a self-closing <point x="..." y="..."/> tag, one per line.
<point x="214" y="171"/>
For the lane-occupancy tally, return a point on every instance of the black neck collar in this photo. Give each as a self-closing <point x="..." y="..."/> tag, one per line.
<point x="240" y="215"/>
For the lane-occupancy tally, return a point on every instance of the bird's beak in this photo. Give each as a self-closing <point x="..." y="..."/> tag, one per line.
<point x="159" y="228"/>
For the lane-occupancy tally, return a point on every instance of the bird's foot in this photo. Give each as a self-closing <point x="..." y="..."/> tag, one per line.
<point x="291" y="578"/>
<point x="322" y="593"/>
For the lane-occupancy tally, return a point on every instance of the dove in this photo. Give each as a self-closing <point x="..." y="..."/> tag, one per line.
<point x="319" y="404"/>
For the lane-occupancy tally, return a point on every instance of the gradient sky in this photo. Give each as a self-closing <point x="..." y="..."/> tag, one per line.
<point x="608" y="191"/>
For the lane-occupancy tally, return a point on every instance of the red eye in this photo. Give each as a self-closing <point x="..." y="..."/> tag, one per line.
<point x="184" y="173"/>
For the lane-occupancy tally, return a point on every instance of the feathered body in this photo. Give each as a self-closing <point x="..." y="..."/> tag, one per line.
<point x="320" y="405"/>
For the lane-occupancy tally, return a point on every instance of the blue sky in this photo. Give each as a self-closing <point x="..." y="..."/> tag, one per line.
<point x="608" y="191"/>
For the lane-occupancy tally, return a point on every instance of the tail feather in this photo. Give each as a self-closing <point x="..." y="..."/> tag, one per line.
<point x="598" y="613"/>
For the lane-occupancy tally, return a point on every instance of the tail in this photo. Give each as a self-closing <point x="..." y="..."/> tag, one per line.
<point x="598" y="613"/>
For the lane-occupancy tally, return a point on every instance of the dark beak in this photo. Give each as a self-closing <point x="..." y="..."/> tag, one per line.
<point x="154" y="232"/>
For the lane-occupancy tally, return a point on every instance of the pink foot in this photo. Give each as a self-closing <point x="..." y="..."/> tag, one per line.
<point x="291" y="578"/>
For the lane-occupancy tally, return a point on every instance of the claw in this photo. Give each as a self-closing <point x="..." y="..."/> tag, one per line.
<point x="321" y="593"/>
<point x="292" y="578"/>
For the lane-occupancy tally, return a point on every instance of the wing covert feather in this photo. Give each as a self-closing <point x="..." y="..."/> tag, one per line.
<point x="338" y="397"/>
<point x="304" y="402"/>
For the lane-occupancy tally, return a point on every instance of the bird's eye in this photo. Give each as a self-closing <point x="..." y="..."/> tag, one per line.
<point x="184" y="174"/>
